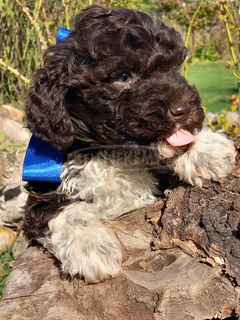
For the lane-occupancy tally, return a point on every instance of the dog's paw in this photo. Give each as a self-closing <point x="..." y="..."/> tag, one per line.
<point x="212" y="156"/>
<point x="95" y="256"/>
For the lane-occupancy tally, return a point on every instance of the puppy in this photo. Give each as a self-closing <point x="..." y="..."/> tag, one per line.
<point x="114" y="82"/>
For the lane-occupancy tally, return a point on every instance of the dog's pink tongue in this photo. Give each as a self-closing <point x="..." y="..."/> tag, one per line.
<point x="181" y="138"/>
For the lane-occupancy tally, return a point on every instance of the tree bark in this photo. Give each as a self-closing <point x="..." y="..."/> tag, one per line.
<point x="181" y="261"/>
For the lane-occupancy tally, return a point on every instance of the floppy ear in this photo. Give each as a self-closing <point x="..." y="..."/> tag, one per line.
<point x="46" y="112"/>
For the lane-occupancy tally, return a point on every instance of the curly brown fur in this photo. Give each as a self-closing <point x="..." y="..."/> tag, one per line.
<point x="42" y="205"/>
<point x="77" y="93"/>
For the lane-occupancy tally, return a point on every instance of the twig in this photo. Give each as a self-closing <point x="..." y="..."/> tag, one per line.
<point x="67" y="14"/>
<point x="232" y="17"/>
<point x="225" y="11"/>
<point x="188" y="35"/>
<point x="233" y="73"/>
<point x="38" y="10"/>
<point x="230" y="41"/>
<point x="26" y="46"/>
<point x="34" y="23"/>
<point x="14" y="71"/>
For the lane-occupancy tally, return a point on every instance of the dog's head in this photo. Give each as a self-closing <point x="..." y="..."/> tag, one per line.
<point x="115" y="79"/>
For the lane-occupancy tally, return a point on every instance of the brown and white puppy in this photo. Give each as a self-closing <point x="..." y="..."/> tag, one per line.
<point x="114" y="80"/>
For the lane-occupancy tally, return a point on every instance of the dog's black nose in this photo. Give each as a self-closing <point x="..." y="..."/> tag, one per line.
<point x="180" y="111"/>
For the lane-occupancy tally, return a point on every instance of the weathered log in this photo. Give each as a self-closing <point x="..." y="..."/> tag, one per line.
<point x="181" y="261"/>
<point x="205" y="222"/>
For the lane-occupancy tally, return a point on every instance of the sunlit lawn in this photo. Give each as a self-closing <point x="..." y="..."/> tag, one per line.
<point x="214" y="83"/>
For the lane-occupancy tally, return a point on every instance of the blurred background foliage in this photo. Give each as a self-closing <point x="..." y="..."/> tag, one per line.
<point x="30" y="26"/>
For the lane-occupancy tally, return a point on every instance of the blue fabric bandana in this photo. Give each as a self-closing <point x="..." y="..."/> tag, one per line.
<point x="62" y="34"/>
<point x="43" y="162"/>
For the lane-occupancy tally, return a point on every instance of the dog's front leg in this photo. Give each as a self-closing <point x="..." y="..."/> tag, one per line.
<point x="211" y="156"/>
<point x="83" y="244"/>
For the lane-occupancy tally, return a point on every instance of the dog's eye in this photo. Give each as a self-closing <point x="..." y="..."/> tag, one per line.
<point x="123" y="77"/>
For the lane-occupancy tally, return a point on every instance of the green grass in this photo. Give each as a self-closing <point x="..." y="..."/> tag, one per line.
<point x="5" y="258"/>
<point x="214" y="83"/>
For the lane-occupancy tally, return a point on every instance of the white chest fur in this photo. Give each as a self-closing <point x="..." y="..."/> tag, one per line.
<point x="113" y="187"/>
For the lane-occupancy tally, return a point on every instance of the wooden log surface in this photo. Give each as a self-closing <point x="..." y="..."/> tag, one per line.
<point x="181" y="261"/>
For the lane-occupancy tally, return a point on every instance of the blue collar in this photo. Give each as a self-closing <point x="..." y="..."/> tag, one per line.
<point x="62" y="34"/>
<point x="42" y="162"/>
